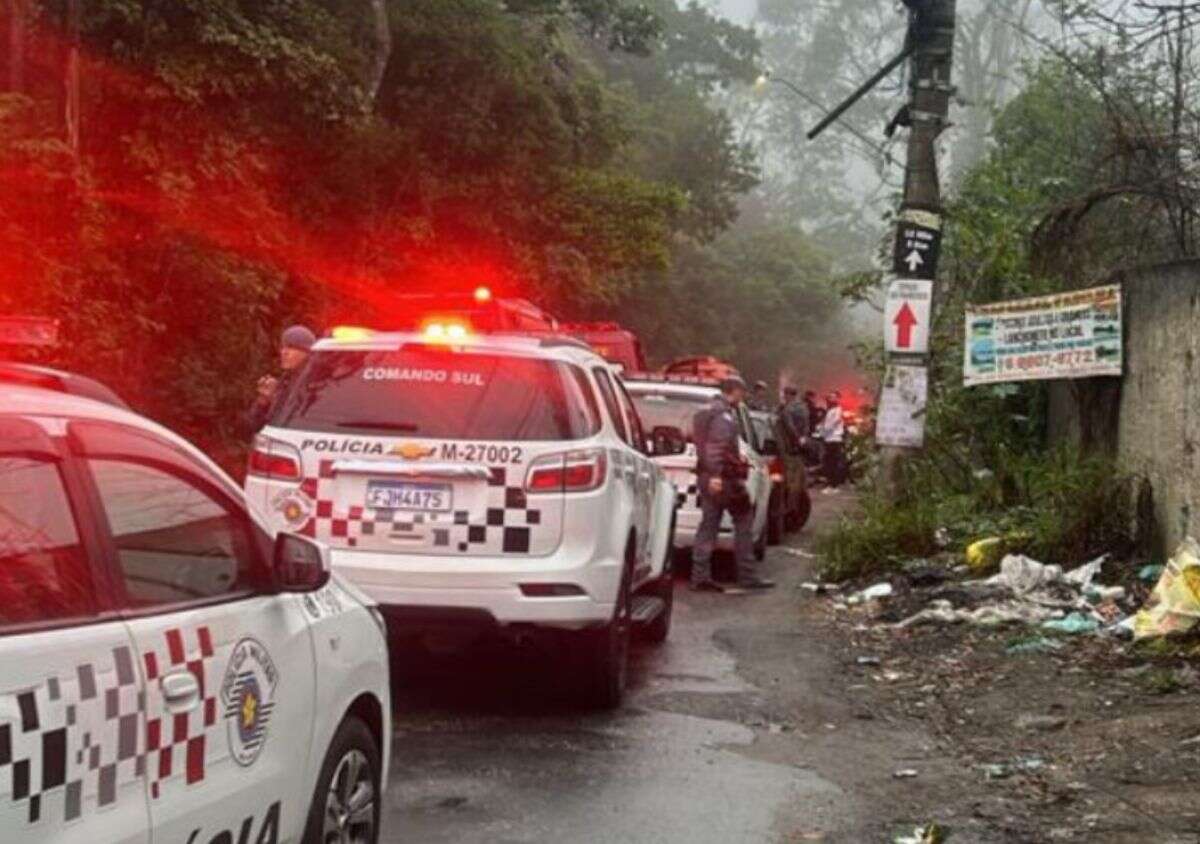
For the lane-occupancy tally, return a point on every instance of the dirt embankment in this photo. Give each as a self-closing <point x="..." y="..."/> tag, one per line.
<point x="1074" y="738"/>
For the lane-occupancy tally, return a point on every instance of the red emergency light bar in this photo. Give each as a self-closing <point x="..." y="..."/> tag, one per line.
<point x="28" y="331"/>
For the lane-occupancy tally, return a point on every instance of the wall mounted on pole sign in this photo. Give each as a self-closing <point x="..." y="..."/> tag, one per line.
<point x="906" y="316"/>
<point x="901" y="420"/>
<point x="1076" y="334"/>
<point x="918" y="244"/>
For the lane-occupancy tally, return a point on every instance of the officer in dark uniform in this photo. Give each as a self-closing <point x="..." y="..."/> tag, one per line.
<point x="295" y="344"/>
<point x="722" y="480"/>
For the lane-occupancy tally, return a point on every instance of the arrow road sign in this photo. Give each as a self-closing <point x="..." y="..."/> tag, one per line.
<point x="905" y="321"/>
<point x="906" y="316"/>
<point x="918" y="244"/>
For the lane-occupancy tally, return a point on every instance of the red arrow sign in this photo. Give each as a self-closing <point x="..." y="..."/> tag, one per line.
<point x="904" y="322"/>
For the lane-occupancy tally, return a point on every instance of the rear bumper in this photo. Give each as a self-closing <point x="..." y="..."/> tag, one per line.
<point x="426" y="592"/>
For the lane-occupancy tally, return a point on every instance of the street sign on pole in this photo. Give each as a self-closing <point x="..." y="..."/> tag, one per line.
<point x="906" y="316"/>
<point x="918" y="244"/>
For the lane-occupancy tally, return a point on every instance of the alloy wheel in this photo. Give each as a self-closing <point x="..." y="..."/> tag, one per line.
<point x="350" y="804"/>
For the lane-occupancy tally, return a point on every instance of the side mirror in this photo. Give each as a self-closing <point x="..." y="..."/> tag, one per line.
<point x="667" y="441"/>
<point x="300" y="564"/>
<point x="770" y="448"/>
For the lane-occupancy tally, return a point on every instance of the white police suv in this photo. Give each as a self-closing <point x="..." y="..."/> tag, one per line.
<point x="167" y="671"/>
<point x="668" y="404"/>
<point x="475" y="484"/>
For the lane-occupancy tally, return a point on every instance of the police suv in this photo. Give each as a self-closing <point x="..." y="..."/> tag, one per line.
<point x="167" y="671"/>
<point x="668" y="404"/>
<point x="474" y="484"/>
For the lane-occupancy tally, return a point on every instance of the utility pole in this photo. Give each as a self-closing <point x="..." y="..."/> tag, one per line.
<point x="908" y="312"/>
<point x="918" y="240"/>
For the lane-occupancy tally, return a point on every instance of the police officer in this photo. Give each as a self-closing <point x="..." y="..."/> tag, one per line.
<point x="722" y="479"/>
<point x="795" y="415"/>
<point x="760" y="400"/>
<point x="295" y="345"/>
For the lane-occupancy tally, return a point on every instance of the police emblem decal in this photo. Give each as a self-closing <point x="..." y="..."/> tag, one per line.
<point x="248" y="698"/>
<point x="293" y="505"/>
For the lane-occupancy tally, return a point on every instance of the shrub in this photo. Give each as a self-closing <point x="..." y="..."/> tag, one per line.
<point x="1067" y="508"/>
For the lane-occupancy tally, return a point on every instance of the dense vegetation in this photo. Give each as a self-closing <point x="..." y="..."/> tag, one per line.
<point x="179" y="180"/>
<point x="1091" y="168"/>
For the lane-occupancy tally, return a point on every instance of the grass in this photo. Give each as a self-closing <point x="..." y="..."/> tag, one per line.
<point x="1067" y="508"/>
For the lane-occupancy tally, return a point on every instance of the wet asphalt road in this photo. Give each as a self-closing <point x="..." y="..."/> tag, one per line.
<point x="718" y="740"/>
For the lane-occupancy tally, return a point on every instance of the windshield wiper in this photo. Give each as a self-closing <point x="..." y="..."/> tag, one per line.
<point x="402" y="427"/>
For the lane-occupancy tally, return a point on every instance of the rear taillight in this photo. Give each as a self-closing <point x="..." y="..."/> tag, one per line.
<point x="272" y="459"/>
<point x="775" y="467"/>
<point x="575" y="471"/>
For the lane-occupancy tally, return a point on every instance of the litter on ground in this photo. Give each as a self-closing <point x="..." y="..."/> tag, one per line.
<point x="1174" y="605"/>
<point x="1072" y="624"/>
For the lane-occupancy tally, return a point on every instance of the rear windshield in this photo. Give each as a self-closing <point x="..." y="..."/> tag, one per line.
<point x="668" y="409"/>
<point x="436" y="393"/>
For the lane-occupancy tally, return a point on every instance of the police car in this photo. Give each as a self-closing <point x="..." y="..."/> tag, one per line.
<point x="474" y="484"/>
<point x="167" y="671"/>
<point x="668" y="404"/>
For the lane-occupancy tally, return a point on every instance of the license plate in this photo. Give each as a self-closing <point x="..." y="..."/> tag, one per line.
<point x="402" y="495"/>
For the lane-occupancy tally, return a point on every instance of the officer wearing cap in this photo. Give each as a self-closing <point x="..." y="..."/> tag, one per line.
<point x="722" y="480"/>
<point x="295" y="344"/>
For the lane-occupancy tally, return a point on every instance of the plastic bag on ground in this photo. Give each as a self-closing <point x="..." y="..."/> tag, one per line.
<point x="943" y="612"/>
<point x="1073" y="623"/>
<point x="879" y="590"/>
<point x="1174" y="605"/>
<point x="1023" y="575"/>
<point x="1083" y="576"/>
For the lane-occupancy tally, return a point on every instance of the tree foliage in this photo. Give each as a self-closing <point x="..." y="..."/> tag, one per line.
<point x="242" y="164"/>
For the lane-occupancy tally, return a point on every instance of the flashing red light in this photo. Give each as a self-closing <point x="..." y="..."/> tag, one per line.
<point x="483" y="294"/>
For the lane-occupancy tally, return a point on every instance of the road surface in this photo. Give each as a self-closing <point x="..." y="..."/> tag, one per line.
<point x="729" y="734"/>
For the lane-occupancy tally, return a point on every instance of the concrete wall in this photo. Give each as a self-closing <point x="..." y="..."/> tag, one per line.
<point x="1150" y="418"/>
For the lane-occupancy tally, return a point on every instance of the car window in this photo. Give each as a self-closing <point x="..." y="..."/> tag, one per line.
<point x="44" y="570"/>
<point x="175" y="542"/>
<point x="588" y="395"/>
<point x="669" y="409"/>
<point x="610" y="401"/>
<point x="435" y="392"/>
<point x="635" y="422"/>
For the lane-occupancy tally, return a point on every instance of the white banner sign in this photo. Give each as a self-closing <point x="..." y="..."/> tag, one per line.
<point x="1067" y="335"/>
<point x="906" y="316"/>
<point x="901" y="419"/>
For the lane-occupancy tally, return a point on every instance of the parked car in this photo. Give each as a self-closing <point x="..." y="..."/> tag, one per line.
<point x="790" y="502"/>
<point x="475" y="485"/>
<point x="168" y="671"/>
<point x="669" y="403"/>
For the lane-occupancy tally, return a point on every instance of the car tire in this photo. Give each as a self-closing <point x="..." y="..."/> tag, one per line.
<point x="776" y="520"/>
<point x="605" y="653"/>
<point x="350" y="776"/>
<point x="658" y="630"/>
